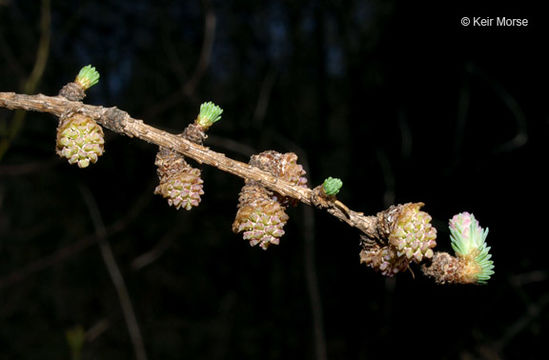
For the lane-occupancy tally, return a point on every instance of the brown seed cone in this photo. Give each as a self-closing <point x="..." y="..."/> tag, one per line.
<point x="283" y="166"/>
<point x="386" y="222"/>
<point x="180" y="183"/>
<point x="260" y="218"/>
<point x="169" y="163"/>
<point x="382" y="258"/>
<point x="73" y="91"/>
<point x="195" y="133"/>
<point x="253" y="193"/>
<point x="446" y="268"/>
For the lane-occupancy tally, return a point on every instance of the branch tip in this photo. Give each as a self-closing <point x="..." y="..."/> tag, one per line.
<point x="87" y="77"/>
<point x="209" y="114"/>
<point x="331" y="186"/>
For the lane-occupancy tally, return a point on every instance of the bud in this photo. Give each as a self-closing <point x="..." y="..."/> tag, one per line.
<point x="87" y="77"/>
<point x="209" y="114"/>
<point x="466" y="234"/>
<point x="76" y="90"/>
<point x="331" y="186"/>
<point x="196" y="131"/>
<point x="468" y="240"/>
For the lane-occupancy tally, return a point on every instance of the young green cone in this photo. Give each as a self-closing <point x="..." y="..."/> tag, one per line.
<point x="413" y="235"/>
<point x="261" y="212"/>
<point x="260" y="218"/>
<point x="404" y="235"/>
<point x="182" y="190"/>
<point x="180" y="183"/>
<point x="79" y="139"/>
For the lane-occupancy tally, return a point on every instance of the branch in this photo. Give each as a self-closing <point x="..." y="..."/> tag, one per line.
<point x="390" y="241"/>
<point x="121" y="122"/>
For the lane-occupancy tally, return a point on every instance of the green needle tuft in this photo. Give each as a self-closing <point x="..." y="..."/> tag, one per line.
<point x="469" y="242"/>
<point x="332" y="186"/>
<point x="209" y="114"/>
<point x="87" y="77"/>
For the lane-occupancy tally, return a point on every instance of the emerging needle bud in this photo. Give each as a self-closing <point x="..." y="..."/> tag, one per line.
<point x="87" y="77"/>
<point x="472" y="263"/>
<point x="331" y="186"/>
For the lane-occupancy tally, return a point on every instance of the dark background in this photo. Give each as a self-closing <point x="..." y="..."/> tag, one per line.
<point x="396" y="98"/>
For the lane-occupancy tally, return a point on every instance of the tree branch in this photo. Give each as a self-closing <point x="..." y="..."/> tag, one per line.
<point x="391" y="240"/>
<point x="121" y="122"/>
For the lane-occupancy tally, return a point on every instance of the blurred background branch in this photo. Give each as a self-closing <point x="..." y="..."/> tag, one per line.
<point x="115" y="274"/>
<point x="33" y="80"/>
